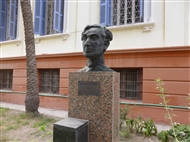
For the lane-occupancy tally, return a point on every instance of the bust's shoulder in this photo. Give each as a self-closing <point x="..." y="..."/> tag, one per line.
<point x="97" y="68"/>
<point x="102" y="68"/>
<point x="85" y="69"/>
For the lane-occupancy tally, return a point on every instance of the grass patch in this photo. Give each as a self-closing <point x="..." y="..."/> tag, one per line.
<point x="10" y="127"/>
<point x="3" y="111"/>
<point x="36" y="133"/>
<point x="43" y="121"/>
<point x="19" y="126"/>
<point x="24" y="123"/>
<point x="4" y="139"/>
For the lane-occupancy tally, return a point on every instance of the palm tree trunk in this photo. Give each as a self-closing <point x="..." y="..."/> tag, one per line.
<point x="32" y="97"/>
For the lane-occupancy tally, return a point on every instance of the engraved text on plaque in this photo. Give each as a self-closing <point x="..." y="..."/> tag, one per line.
<point x="89" y="88"/>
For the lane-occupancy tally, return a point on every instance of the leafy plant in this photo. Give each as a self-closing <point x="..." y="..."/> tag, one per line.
<point x="138" y="125"/>
<point x="182" y="132"/>
<point x="168" y="115"/>
<point x="43" y="129"/>
<point x="178" y="132"/>
<point x="164" y="136"/>
<point x="130" y="124"/>
<point x="149" y="128"/>
<point x="123" y="115"/>
<point x="135" y="125"/>
<point x="125" y="133"/>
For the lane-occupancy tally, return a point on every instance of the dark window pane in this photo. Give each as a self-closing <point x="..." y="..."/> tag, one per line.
<point x="6" y="77"/>
<point x="130" y="83"/>
<point x="127" y="12"/>
<point x="49" y="81"/>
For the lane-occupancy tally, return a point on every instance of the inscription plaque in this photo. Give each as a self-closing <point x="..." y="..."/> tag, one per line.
<point x="89" y="88"/>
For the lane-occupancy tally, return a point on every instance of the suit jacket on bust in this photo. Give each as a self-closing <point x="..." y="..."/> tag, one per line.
<point x="98" y="67"/>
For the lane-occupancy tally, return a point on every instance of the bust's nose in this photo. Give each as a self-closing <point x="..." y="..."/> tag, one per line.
<point x="87" y="42"/>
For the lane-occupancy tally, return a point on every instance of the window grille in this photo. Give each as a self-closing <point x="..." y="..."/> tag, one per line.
<point x="50" y="17"/>
<point x="122" y="12"/>
<point x="49" y="81"/>
<point x="126" y="12"/>
<point x="130" y="83"/>
<point x="6" y="77"/>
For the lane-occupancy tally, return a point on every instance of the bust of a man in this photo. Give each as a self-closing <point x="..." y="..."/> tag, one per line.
<point x="96" y="39"/>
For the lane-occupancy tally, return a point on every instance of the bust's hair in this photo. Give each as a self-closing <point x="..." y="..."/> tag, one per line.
<point x="106" y="34"/>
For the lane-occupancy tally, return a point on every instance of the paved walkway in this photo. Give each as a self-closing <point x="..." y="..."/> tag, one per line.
<point x="60" y="113"/>
<point x="53" y="112"/>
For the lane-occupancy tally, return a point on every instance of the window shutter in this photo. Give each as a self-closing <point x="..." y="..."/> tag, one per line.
<point x="58" y="15"/>
<point x="13" y="19"/>
<point x="39" y="21"/>
<point x="3" y="9"/>
<point x="141" y="10"/>
<point x="147" y="11"/>
<point x="105" y="12"/>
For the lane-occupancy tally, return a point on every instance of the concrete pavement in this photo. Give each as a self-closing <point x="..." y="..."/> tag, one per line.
<point x="53" y="112"/>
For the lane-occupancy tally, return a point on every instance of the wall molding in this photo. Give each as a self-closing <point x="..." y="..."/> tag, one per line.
<point x="110" y="52"/>
<point x="132" y="26"/>
<point x="62" y="36"/>
<point x="16" y="42"/>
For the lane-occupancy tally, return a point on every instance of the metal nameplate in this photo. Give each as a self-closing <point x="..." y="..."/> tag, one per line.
<point x="89" y="88"/>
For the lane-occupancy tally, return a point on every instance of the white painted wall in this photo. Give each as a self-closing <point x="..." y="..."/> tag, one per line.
<point x="170" y="21"/>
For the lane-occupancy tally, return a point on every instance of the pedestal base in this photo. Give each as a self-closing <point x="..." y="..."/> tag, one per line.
<point x="70" y="130"/>
<point x="101" y="108"/>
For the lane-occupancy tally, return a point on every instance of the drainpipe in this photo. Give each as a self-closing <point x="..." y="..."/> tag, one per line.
<point x="154" y="105"/>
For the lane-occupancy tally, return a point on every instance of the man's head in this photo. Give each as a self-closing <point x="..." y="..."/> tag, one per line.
<point x="96" y="39"/>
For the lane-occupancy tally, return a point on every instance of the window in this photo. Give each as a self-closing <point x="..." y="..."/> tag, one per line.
<point x="123" y="12"/>
<point x="6" y="79"/>
<point x="130" y="83"/>
<point x="8" y="19"/>
<point x="49" y="17"/>
<point x="49" y="81"/>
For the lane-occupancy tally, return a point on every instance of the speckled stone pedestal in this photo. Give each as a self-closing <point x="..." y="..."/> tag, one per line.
<point x="102" y="110"/>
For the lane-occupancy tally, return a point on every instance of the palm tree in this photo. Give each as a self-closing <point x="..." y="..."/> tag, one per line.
<point x="32" y="97"/>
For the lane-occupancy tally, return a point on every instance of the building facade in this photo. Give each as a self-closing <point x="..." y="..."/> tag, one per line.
<point x="151" y="39"/>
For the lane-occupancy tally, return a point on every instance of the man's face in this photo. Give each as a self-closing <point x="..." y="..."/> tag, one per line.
<point x="93" y="43"/>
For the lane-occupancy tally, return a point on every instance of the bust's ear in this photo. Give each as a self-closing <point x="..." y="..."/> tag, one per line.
<point x="107" y="43"/>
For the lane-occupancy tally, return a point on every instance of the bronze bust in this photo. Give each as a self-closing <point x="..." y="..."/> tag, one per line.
<point x="96" y="39"/>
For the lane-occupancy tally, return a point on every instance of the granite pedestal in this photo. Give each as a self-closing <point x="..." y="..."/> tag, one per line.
<point x="94" y="96"/>
<point x="70" y="130"/>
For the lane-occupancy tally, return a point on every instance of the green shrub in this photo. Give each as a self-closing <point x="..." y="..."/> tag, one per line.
<point x="182" y="132"/>
<point x="178" y="132"/>
<point x="123" y="115"/>
<point x="138" y="125"/>
<point x="164" y="136"/>
<point x="149" y="128"/>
